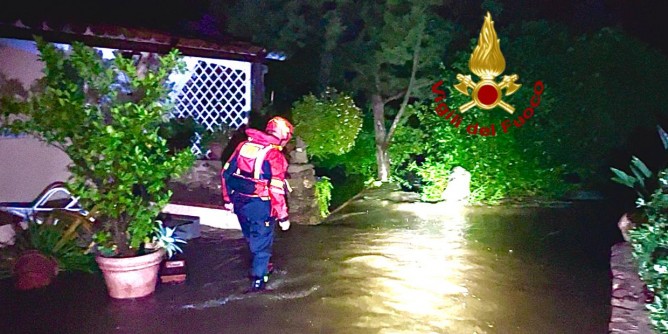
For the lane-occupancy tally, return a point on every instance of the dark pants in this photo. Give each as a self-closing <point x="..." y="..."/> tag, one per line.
<point x="258" y="229"/>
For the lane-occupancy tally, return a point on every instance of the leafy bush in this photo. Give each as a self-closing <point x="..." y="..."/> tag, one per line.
<point x="323" y="194"/>
<point x="106" y="115"/>
<point x="329" y="124"/>
<point x="650" y="249"/>
<point x="360" y="160"/>
<point x="650" y="239"/>
<point x="501" y="166"/>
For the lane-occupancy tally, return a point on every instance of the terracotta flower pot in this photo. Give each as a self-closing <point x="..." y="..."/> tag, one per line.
<point x="131" y="277"/>
<point x="34" y="270"/>
<point x="215" y="151"/>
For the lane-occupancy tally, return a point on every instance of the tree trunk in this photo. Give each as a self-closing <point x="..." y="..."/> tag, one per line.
<point x="382" y="158"/>
<point x="324" y="74"/>
<point x="384" y="137"/>
<point x="120" y="238"/>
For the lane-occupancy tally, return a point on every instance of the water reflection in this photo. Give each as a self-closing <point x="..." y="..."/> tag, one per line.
<point x="389" y="268"/>
<point x="446" y="269"/>
<point x="412" y="279"/>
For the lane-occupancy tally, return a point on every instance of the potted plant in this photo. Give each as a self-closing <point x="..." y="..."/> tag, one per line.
<point x="106" y="115"/>
<point x="214" y="142"/>
<point x="49" y="244"/>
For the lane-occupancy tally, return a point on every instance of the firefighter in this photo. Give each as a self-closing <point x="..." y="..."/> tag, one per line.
<point x="254" y="187"/>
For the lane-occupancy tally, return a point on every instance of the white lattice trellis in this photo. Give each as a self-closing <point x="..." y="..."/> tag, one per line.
<point x="213" y="92"/>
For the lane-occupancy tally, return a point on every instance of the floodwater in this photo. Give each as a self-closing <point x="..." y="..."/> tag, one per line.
<point x="378" y="267"/>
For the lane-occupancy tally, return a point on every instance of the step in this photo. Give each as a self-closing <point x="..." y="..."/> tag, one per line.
<point x="186" y="227"/>
<point x="209" y="215"/>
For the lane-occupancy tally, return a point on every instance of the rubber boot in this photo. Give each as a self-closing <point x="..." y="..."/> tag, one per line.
<point x="257" y="284"/>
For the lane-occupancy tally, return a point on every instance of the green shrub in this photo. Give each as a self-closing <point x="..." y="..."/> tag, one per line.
<point x="323" y="193"/>
<point x="501" y="166"/>
<point x="329" y="124"/>
<point x="650" y="249"/>
<point x="61" y="235"/>
<point x="650" y="239"/>
<point x="360" y="160"/>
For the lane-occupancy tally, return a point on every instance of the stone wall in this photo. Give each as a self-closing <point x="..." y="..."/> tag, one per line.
<point x="203" y="174"/>
<point x="629" y="314"/>
<point x="201" y="184"/>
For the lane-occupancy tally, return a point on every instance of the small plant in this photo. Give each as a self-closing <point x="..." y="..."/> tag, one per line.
<point x="638" y="181"/>
<point x="323" y="194"/>
<point x="642" y="180"/>
<point x="50" y="243"/>
<point x="164" y="238"/>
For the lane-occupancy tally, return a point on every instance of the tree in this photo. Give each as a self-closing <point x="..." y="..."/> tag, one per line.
<point x="395" y="54"/>
<point x="291" y="27"/>
<point x="383" y="51"/>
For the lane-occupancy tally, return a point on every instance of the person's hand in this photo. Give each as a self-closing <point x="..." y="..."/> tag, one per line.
<point x="284" y="224"/>
<point x="229" y="206"/>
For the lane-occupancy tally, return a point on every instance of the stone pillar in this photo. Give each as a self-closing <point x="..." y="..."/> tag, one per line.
<point x="302" y="203"/>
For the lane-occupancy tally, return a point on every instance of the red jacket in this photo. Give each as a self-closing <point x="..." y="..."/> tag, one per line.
<point x="257" y="169"/>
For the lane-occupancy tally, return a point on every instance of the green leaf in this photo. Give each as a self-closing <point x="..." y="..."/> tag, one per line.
<point x="623" y="178"/>
<point x="640" y="168"/>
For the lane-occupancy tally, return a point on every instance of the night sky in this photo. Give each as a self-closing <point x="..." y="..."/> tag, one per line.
<point x="644" y="19"/>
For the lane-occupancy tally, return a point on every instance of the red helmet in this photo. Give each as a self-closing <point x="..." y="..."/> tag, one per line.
<point x="280" y="128"/>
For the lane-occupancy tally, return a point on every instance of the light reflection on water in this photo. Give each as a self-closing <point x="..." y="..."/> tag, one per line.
<point x="421" y="268"/>
<point x="436" y="271"/>
<point x="411" y="280"/>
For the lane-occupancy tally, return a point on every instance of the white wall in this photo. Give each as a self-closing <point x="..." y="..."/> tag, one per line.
<point x="26" y="165"/>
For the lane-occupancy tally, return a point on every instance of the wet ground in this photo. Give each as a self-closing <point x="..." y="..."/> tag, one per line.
<point x="378" y="267"/>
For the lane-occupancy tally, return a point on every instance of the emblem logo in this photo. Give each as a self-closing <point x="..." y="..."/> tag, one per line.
<point x="487" y="62"/>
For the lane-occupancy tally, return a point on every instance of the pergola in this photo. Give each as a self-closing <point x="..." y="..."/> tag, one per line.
<point x="223" y="81"/>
